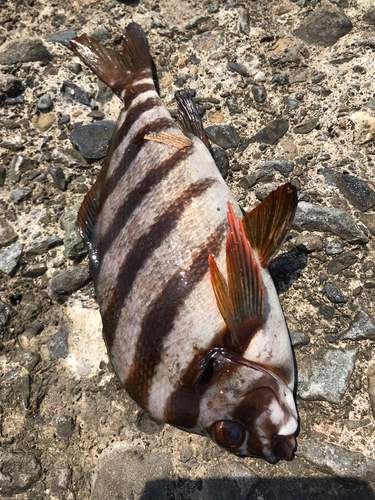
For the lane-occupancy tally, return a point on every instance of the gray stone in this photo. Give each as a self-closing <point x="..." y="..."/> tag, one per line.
<point x="309" y="243"/>
<point x="325" y="375"/>
<point x="362" y="327"/>
<point x="224" y="136"/>
<point x="285" y="167"/>
<point x="76" y="68"/>
<point x="195" y="22"/>
<point x="228" y="480"/>
<point x="7" y="234"/>
<point x="20" y="194"/>
<point x="75" y="247"/>
<point x="24" y="50"/>
<point x="259" y="93"/>
<point x="58" y="177"/>
<point x="341" y="262"/>
<point x="311" y="217"/>
<point x="306" y="127"/>
<point x="30" y="360"/>
<point x="335" y="460"/>
<point x="244" y="20"/>
<point x="131" y="473"/>
<point x="334" y="294"/>
<point x="264" y="190"/>
<point x="369" y="17"/>
<point x="92" y="140"/>
<point x="291" y="103"/>
<point x="62" y="37"/>
<point x="19" y="471"/>
<point x="61" y="480"/>
<point x="10" y="85"/>
<point x="258" y="175"/>
<point x="236" y="67"/>
<point x="26" y="390"/>
<point x="104" y="93"/>
<point x="41" y="245"/>
<point x="323" y="28"/>
<point x="101" y="34"/>
<point x="371" y="387"/>
<point x="19" y="166"/>
<point x="68" y="281"/>
<point x="58" y="344"/>
<point x="5" y="313"/>
<point x="10" y="258"/>
<point x="334" y="248"/>
<point x="272" y="132"/>
<point x="181" y="80"/>
<point x="35" y="270"/>
<point x="233" y="107"/>
<point x="298" y="338"/>
<point x="73" y="92"/>
<point x="45" y="103"/>
<point x="64" y="426"/>
<point x="69" y="158"/>
<point x="221" y="160"/>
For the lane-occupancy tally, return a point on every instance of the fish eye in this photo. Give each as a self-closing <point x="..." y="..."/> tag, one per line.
<point x="228" y="434"/>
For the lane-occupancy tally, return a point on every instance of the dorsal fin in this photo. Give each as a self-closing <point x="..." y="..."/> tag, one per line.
<point x="188" y="117"/>
<point x="268" y="225"/>
<point x="242" y="307"/>
<point x="115" y="69"/>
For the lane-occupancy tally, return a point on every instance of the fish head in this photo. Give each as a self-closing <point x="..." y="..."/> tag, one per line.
<point x="247" y="409"/>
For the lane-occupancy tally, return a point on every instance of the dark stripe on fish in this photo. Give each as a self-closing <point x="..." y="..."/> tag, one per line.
<point x="159" y="321"/>
<point x="137" y="195"/>
<point x="142" y="250"/>
<point x="135" y="90"/>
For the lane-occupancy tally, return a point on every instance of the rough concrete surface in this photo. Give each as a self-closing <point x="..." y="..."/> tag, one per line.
<point x="287" y="89"/>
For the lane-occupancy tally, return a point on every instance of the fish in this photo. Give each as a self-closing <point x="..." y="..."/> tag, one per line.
<point x="191" y="318"/>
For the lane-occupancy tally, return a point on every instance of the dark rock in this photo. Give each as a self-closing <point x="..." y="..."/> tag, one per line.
<point x="20" y="194"/>
<point x="362" y="327"/>
<point x="181" y="80"/>
<point x="371" y="387"/>
<point x="291" y="103"/>
<point x="10" y="85"/>
<point x="3" y="174"/>
<point x="19" y="471"/>
<point x="10" y="258"/>
<point x="11" y="101"/>
<point x="58" y="344"/>
<point x="61" y="480"/>
<point x="41" y="245"/>
<point x="224" y="136"/>
<point x="104" y="93"/>
<point x="62" y="37"/>
<point x="309" y="243"/>
<point x="341" y="262"/>
<point x="92" y="140"/>
<point x="76" y="68"/>
<point x="23" y="50"/>
<point x="334" y="248"/>
<point x="259" y="93"/>
<point x="72" y="92"/>
<point x="26" y="390"/>
<point x="65" y="119"/>
<point x="75" y="247"/>
<point x="286" y="268"/>
<point x="65" y="426"/>
<point x="280" y="79"/>
<point x="285" y="167"/>
<point x="19" y="166"/>
<point x="255" y="177"/>
<point x="311" y="217"/>
<point x="35" y="270"/>
<point x="324" y="28"/>
<point x="221" y="160"/>
<point x="264" y="190"/>
<point x="334" y="294"/>
<point x="359" y="69"/>
<point x="29" y="360"/>
<point x="58" y="177"/>
<point x="244" y="20"/>
<point x="235" y="67"/>
<point x="298" y="338"/>
<point x="369" y="17"/>
<point x="7" y="233"/>
<point x="327" y="312"/>
<point x="12" y="146"/>
<point x="233" y="107"/>
<point x="101" y="34"/>
<point x="195" y="22"/>
<point x="5" y="313"/>
<point x="69" y="158"/>
<point x="33" y="329"/>
<point x="67" y="282"/>
<point x="306" y="127"/>
<point x="45" y="103"/>
<point x="272" y="132"/>
<point x="325" y="375"/>
<point x="337" y="461"/>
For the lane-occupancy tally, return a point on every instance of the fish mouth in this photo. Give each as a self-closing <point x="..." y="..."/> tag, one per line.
<point x="283" y="446"/>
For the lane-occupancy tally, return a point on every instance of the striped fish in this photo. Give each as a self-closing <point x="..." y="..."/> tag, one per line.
<point x="206" y="354"/>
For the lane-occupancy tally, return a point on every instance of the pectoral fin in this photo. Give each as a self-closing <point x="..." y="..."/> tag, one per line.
<point x="241" y="304"/>
<point x="188" y="117"/>
<point x="267" y="226"/>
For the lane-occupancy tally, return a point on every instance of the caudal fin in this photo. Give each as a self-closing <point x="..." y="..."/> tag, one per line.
<point x="118" y="70"/>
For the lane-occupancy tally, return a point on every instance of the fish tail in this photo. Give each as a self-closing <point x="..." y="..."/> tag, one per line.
<point x="117" y="70"/>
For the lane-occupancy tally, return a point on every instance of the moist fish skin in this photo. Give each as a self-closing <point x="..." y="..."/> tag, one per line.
<point x="204" y="351"/>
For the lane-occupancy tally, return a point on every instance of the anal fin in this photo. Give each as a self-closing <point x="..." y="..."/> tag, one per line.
<point x="241" y="305"/>
<point x="268" y="225"/>
<point x="188" y="117"/>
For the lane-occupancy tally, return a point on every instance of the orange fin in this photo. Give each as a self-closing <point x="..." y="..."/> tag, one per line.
<point x="268" y="225"/>
<point x="242" y="307"/>
<point x="188" y="117"/>
<point x="115" y="69"/>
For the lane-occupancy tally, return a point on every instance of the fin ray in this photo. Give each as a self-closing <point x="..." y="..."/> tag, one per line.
<point x="188" y="117"/>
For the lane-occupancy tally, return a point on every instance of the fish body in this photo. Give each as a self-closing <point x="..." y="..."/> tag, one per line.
<point x="192" y="351"/>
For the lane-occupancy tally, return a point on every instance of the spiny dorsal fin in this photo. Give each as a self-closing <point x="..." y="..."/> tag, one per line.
<point x="242" y="307"/>
<point x="118" y="70"/>
<point x="188" y="117"/>
<point x="268" y="225"/>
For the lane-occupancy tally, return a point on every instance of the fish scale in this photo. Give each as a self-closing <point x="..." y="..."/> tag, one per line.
<point x="203" y="352"/>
